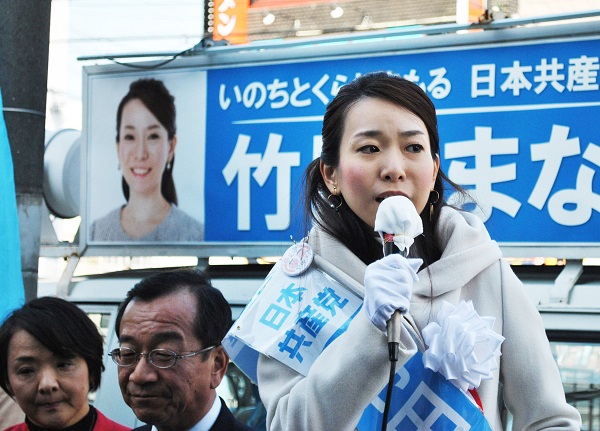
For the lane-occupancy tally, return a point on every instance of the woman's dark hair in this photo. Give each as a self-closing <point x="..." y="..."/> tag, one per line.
<point x="155" y="96"/>
<point x="213" y="313"/>
<point x="61" y="327"/>
<point x="343" y="223"/>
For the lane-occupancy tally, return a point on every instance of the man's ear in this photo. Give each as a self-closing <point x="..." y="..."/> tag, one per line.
<point x="219" y="366"/>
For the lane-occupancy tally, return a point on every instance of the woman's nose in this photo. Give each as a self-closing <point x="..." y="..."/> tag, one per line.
<point x="141" y="149"/>
<point x="48" y="381"/>
<point x="393" y="168"/>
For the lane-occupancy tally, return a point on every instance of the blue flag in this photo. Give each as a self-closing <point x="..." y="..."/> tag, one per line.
<point x="12" y="294"/>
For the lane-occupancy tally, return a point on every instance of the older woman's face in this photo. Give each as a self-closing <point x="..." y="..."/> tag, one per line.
<point x="51" y="390"/>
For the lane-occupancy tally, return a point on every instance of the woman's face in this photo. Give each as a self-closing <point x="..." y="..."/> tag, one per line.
<point x="384" y="151"/>
<point x="143" y="149"/>
<point x="52" y="391"/>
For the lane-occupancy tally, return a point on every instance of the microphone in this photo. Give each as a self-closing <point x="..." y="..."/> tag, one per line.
<point x="398" y="223"/>
<point x="393" y="325"/>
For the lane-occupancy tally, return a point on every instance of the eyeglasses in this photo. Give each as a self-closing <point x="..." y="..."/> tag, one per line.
<point x="160" y="358"/>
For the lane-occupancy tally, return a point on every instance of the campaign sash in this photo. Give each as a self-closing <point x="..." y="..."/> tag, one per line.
<point x="423" y="400"/>
<point x="293" y="317"/>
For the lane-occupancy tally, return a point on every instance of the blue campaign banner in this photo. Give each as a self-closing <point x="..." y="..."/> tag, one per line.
<point x="517" y="122"/>
<point x="11" y="281"/>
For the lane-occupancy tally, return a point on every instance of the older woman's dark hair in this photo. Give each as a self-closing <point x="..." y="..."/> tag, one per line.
<point x="213" y="313"/>
<point x="344" y="224"/>
<point x="61" y="327"/>
<point x="155" y="96"/>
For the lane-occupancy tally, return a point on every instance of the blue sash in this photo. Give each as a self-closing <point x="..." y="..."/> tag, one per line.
<point x="423" y="400"/>
<point x="292" y="319"/>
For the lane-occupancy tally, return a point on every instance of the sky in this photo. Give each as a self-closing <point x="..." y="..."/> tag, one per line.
<point x="80" y="28"/>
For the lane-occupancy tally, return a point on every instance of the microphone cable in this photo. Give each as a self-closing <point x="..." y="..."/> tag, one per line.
<point x="390" y="387"/>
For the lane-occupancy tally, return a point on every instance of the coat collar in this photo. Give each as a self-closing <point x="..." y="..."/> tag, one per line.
<point x="467" y="251"/>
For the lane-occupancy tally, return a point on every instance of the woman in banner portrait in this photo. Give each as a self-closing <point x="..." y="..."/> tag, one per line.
<point x="145" y="142"/>
<point x="467" y="322"/>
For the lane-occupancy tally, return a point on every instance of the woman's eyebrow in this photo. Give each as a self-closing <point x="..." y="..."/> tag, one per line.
<point x="410" y="133"/>
<point x="402" y="134"/>
<point x="25" y="359"/>
<point x="367" y="134"/>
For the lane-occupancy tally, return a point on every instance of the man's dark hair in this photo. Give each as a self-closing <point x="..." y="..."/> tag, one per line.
<point x="213" y="314"/>
<point x="61" y="327"/>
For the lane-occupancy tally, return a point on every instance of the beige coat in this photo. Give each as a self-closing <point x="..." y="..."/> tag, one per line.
<point x="353" y="369"/>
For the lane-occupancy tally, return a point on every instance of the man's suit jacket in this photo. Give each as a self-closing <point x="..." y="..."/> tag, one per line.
<point x="225" y="422"/>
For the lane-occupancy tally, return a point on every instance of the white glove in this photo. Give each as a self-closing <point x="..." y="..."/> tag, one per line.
<point x="388" y="287"/>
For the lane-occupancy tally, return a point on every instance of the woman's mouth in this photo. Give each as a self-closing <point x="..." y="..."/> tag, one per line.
<point x="50" y="406"/>
<point x="140" y="171"/>
<point x="383" y="196"/>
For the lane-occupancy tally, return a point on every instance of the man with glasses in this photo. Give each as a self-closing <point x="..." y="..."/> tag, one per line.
<point x="170" y="358"/>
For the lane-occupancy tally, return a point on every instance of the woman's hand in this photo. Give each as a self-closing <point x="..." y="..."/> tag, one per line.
<point x="388" y="287"/>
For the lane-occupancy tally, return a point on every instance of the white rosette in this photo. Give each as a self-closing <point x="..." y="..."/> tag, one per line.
<point x="462" y="345"/>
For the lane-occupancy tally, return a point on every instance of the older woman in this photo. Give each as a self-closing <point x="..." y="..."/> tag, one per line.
<point x="50" y="359"/>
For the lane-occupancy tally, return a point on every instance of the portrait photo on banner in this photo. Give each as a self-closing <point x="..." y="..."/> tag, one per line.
<point x="145" y="156"/>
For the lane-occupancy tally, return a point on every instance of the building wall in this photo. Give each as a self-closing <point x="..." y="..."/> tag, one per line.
<point x="313" y="18"/>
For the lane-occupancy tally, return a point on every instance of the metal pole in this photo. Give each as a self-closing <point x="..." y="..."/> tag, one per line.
<point x="24" y="46"/>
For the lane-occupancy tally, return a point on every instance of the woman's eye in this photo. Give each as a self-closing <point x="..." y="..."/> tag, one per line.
<point x="128" y="137"/>
<point x="154" y="136"/>
<point x="414" y="148"/>
<point x="25" y="371"/>
<point x="368" y="149"/>
<point x="64" y="365"/>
